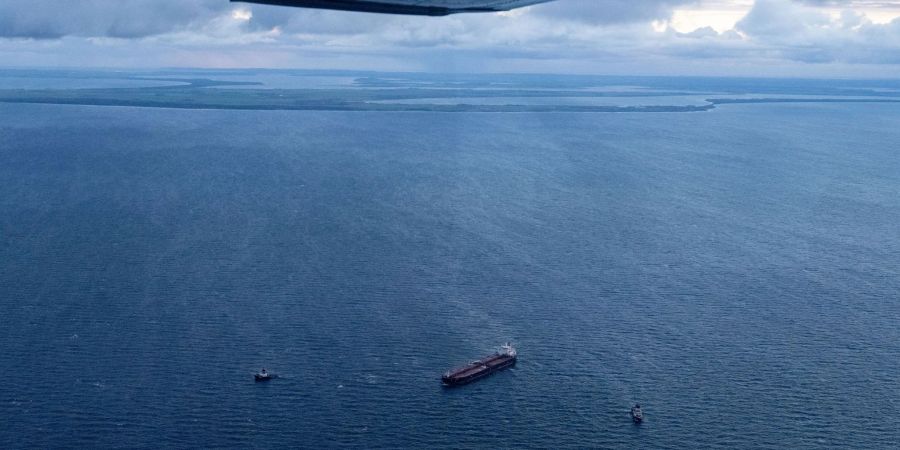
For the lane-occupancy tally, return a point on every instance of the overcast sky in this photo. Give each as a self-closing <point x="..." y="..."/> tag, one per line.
<point x="667" y="37"/>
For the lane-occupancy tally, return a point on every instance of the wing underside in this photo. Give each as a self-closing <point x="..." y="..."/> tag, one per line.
<point x="415" y="7"/>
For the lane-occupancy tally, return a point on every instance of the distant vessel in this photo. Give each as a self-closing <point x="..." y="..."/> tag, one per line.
<point x="263" y="375"/>
<point x="481" y="368"/>
<point x="636" y="414"/>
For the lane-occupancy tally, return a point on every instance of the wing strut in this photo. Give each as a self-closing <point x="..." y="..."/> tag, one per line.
<point x="410" y="7"/>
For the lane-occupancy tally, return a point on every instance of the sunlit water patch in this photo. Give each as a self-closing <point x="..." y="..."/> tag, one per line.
<point x="623" y="101"/>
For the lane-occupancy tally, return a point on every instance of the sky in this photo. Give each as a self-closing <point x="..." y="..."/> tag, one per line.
<point x="804" y="38"/>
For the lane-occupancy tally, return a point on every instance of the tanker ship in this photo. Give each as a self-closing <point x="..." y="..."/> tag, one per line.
<point x="481" y="368"/>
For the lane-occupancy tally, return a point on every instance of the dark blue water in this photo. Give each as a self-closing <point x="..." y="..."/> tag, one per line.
<point x="737" y="272"/>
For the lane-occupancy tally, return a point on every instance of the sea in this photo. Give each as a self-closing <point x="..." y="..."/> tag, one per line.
<point x="735" y="271"/>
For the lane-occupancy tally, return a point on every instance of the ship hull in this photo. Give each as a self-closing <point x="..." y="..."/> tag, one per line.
<point x="478" y="370"/>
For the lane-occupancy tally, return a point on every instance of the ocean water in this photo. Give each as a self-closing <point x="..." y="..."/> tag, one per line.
<point x="735" y="271"/>
<point x="57" y="80"/>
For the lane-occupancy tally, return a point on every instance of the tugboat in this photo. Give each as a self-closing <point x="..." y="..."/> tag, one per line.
<point x="481" y="368"/>
<point x="263" y="375"/>
<point x="636" y="414"/>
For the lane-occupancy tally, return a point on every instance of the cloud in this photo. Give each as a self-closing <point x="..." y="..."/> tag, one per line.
<point x="794" y="31"/>
<point x="52" y="19"/>
<point x="568" y="35"/>
<point x="781" y="19"/>
<point x="610" y="11"/>
<point x="703" y="32"/>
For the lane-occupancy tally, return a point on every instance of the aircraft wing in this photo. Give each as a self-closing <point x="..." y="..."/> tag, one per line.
<point x="415" y="7"/>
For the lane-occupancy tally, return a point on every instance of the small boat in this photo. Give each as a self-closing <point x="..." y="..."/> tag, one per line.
<point x="263" y="375"/>
<point x="636" y="414"/>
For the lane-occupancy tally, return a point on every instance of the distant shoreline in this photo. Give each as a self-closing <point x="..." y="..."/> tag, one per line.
<point x="398" y="94"/>
<point x="401" y="107"/>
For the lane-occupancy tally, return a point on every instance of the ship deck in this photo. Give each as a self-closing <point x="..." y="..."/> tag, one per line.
<point x="488" y="362"/>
